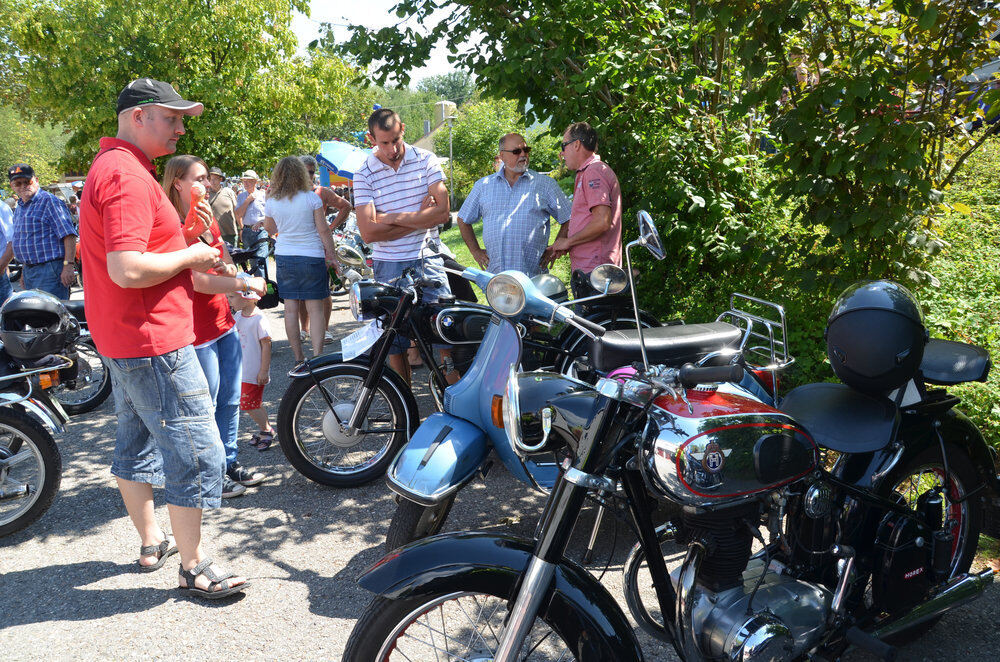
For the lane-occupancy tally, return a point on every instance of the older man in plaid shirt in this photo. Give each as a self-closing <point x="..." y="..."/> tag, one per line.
<point x="44" y="236"/>
<point x="515" y="205"/>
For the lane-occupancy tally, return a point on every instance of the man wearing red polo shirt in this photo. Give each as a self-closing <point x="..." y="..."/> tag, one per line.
<point x="593" y="235"/>
<point x="138" y="291"/>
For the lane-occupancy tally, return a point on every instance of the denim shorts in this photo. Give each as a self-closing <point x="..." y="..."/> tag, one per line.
<point x="387" y="271"/>
<point x="166" y="428"/>
<point x="302" y="278"/>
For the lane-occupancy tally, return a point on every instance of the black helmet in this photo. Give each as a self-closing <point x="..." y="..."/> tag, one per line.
<point x="34" y="324"/>
<point x="875" y="336"/>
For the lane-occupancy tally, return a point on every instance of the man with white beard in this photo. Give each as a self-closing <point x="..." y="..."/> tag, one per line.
<point x="515" y="204"/>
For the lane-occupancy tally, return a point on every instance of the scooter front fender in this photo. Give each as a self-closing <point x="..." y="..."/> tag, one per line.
<point x="442" y="455"/>
<point x="577" y="607"/>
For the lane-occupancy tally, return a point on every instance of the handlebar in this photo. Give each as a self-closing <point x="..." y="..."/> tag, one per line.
<point x="690" y="375"/>
<point x="596" y="329"/>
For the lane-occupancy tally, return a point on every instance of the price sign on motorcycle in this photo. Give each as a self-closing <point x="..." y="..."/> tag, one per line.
<point x="361" y="340"/>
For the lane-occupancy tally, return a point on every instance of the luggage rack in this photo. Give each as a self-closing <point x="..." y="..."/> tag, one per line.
<point x="765" y="340"/>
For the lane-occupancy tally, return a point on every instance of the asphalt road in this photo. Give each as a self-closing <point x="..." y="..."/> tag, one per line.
<point x="69" y="588"/>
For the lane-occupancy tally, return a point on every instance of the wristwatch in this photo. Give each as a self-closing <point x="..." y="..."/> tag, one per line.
<point x="66" y="263"/>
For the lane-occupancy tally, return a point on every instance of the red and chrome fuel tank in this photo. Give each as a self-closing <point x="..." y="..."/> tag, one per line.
<point x="726" y="446"/>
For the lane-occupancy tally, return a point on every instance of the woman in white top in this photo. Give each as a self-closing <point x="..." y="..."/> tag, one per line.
<point x="303" y="250"/>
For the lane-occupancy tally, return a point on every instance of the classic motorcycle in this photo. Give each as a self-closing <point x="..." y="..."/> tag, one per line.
<point x="452" y="447"/>
<point x="871" y="492"/>
<point x="30" y="463"/>
<point x="85" y="385"/>
<point x="345" y="414"/>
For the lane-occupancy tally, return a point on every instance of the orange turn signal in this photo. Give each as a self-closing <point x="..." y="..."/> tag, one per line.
<point x="496" y="411"/>
<point x="48" y="379"/>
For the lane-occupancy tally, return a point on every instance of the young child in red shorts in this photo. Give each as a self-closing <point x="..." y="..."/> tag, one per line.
<point x="255" y="340"/>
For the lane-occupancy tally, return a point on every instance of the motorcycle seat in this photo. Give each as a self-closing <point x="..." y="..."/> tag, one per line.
<point x="75" y="309"/>
<point x="672" y="345"/>
<point x="947" y="363"/>
<point x="840" y="418"/>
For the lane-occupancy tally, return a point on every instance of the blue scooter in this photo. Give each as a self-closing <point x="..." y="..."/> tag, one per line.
<point x="451" y="447"/>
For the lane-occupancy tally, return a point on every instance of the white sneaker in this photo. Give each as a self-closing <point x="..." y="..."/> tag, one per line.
<point x="303" y="336"/>
<point x="327" y="338"/>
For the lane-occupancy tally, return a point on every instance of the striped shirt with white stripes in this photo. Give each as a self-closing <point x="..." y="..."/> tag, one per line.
<point x="399" y="190"/>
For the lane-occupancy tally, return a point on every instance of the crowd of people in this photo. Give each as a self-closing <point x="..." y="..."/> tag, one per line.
<point x="186" y="346"/>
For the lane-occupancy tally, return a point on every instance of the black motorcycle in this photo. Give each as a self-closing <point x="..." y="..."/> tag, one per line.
<point x="86" y="384"/>
<point x="340" y="422"/>
<point x="871" y="493"/>
<point x="35" y="333"/>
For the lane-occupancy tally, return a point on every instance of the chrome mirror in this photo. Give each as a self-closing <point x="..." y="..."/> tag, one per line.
<point x="608" y="279"/>
<point x="648" y="236"/>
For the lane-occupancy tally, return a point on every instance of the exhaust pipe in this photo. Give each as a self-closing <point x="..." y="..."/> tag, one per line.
<point x="960" y="590"/>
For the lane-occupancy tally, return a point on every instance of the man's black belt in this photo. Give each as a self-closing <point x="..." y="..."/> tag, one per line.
<point x="36" y="264"/>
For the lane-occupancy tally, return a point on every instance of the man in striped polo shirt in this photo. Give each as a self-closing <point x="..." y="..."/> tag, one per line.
<point x="400" y="199"/>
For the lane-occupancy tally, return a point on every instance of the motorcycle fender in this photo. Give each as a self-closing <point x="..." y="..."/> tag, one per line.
<point x="398" y="383"/>
<point x="577" y="606"/>
<point x="49" y="412"/>
<point x="443" y="455"/>
<point x="957" y="429"/>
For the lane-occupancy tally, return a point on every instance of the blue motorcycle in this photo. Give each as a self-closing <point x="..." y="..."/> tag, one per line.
<point x="451" y="446"/>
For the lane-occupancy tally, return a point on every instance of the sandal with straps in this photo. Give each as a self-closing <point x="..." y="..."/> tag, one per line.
<point x="164" y="549"/>
<point x="214" y="578"/>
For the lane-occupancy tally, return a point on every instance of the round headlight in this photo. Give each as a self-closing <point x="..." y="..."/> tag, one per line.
<point x="355" y="299"/>
<point x="505" y="295"/>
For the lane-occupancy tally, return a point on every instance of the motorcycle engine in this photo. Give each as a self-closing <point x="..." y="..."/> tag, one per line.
<point x="787" y="617"/>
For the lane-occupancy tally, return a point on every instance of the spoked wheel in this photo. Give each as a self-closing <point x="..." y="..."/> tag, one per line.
<point x="30" y="470"/>
<point x="92" y="384"/>
<point x="962" y="517"/>
<point x="311" y="436"/>
<point x="454" y="626"/>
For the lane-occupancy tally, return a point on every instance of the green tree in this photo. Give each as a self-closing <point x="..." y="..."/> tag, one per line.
<point x="25" y="141"/>
<point x="69" y="59"/>
<point x="455" y="86"/>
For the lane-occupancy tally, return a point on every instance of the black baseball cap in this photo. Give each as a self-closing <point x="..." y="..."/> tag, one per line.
<point x="149" y="92"/>
<point x="214" y="170"/>
<point x="19" y="170"/>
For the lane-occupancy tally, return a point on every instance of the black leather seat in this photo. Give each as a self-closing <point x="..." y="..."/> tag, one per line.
<point x="840" y="418"/>
<point x="672" y="345"/>
<point x="947" y="362"/>
<point x="75" y="309"/>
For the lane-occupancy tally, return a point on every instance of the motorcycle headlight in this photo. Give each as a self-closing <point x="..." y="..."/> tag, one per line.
<point x="355" y="299"/>
<point x="350" y="256"/>
<point x="505" y="295"/>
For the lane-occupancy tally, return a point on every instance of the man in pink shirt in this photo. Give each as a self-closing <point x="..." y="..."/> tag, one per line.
<point x="593" y="235"/>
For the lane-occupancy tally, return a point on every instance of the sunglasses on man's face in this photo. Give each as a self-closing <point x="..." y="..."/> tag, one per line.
<point x="568" y="143"/>
<point x="517" y="152"/>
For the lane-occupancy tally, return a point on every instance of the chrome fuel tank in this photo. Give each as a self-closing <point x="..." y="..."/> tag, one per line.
<point x="721" y="448"/>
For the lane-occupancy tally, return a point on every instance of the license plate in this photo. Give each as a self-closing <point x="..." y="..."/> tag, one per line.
<point x="361" y="340"/>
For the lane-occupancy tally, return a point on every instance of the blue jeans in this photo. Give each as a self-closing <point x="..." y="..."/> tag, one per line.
<point x="5" y="288"/>
<point x="222" y="362"/>
<point x="387" y="271"/>
<point x="46" y="277"/>
<point x="250" y="238"/>
<point x="166" y="431"/>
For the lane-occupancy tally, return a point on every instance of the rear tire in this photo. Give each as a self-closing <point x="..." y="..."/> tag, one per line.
<point x="310" y="438"/>
<point x="412" y="521"/>
<point x="41" y="470"/>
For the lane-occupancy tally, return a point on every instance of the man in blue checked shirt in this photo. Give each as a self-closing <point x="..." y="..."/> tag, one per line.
<point x="515" y="204"/>
<point x="44" y="236"/>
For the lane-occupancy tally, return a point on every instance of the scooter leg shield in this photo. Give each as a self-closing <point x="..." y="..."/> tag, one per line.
<point x="443" y="454"/>
<point x="577" y="606"/>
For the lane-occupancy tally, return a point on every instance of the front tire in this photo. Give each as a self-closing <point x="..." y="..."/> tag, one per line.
<point x="310" y="436"/>
<point x="411" y="521"/>
<point x="446" y="626"/>
<point x="38" y="472"/>
<point x="92" y="385"/>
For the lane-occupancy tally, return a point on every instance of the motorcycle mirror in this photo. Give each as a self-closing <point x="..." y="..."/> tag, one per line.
<point x="648" y="235"/>
<point x="608" y="279"/>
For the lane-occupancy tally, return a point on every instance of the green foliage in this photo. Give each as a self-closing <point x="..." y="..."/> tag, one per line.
<point x="455" y="86"/>
<point x="25" y="141"/>
<point x="69" y="59"/>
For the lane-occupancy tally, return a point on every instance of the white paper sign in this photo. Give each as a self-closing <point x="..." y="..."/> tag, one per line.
<point x="361" y="340"/>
